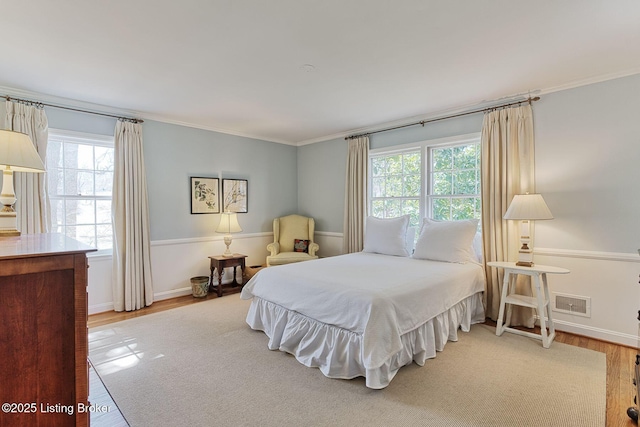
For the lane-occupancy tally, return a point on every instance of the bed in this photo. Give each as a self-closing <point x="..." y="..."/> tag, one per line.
<point x="365" y="314"/>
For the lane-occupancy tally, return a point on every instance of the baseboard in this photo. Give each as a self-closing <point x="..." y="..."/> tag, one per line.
<point x="595" y="333"/>
<point x="100" y="308"/>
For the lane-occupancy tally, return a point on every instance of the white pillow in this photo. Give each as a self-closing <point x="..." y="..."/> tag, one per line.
<point x="448" y="241"/>
<point x="386" y="236"/>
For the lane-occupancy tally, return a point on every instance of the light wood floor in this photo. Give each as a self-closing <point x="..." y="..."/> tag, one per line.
<point x="620" y="361"/>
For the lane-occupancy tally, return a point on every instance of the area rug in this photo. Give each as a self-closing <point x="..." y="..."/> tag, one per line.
<point x="201" y="365"/>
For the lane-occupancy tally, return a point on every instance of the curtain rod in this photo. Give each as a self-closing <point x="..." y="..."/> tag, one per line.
<point x="43" y="104"/>
<point x="466" y="113"/>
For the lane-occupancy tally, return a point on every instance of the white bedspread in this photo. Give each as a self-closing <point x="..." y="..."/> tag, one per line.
<point x="377" y="296"/>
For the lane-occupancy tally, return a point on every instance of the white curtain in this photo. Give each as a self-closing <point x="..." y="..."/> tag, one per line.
<point x="355" y="195"/>
<point x="132" y="281"/>
<point x="507" y="170"/>
<point x="33" y="212"/>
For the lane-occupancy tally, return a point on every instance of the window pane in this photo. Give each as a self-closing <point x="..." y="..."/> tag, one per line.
<point x="103" y="212"/>
<point x="411" y="207"/>
<point x="465" y="156"/>
<point x="394" y="186"/>
<point x="412" y="163"/>
<point x="441" y="209"/>
<point x="464" y="182"/>
<point x="394" y="165"/>
<point x="57" y="212"/>
<point x="442" y="183"/>
<point x="78" y="156"/>
<point x="377" y="189"/>
<point x="55" y="177"/>
<point x="377" y="166"/>
<point x="462" y="208"/>
<point x="442" y="159"/>
<point x="84" y="233"/>
<point x="77" y="183"/>
<point x="377" y="208"/>
<point x="104" y="158"/>
<point x="86" y="212"/>
<point x="104" y="183"/>
<point x="105" y="237"/>
<point x="54" y="154"/>
<point x="392" y="208"/>
<point x="411" y="185"/>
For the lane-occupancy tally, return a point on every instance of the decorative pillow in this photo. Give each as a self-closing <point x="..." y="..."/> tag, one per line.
<point x="386" y="236"/>
<point x="300" y="245"/>
<point x="448" y="241"/>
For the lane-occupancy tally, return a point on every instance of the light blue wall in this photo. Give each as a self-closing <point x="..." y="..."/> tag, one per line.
<point x="322" y="166"/>
<point x="175" y="153"/>
<point x="587" y="166"/>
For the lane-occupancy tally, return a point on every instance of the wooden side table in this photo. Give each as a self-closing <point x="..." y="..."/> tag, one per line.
<point x="219" y="262"/>
<point x="541" y="300"/>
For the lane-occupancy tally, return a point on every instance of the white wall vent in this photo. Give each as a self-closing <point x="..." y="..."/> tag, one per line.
<point x="571" y="304"/>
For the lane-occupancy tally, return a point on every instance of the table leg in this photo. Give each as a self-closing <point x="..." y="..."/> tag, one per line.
<point x="547" y="299"/>
<point x="505" y="286"/>
<point x="541" y="311"/>
<point x="220" y="272"/>
<point x="235" y="282"/>
<point x="209" y="289"/>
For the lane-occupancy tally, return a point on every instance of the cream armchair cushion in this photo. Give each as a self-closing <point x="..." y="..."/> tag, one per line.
<point x="285" y="231"/>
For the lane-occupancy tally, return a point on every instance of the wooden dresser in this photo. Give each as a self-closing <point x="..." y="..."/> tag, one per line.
<point x="43" y="331"/>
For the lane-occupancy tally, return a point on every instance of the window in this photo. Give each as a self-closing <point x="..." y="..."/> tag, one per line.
<point x="80" y="178"/>
<point x="454" y="177"/>
<point x="439" y="179"/>
<point x="396" y="185"/>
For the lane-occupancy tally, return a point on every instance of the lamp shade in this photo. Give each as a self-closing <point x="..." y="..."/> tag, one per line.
<point x="18" y="152"/>
<point x="228" y="223"/>
<point x="528" y="207"/>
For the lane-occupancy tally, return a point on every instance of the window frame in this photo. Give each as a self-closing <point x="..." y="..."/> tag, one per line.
<point x="424" y="147"/>
<point x="96" y="140"/>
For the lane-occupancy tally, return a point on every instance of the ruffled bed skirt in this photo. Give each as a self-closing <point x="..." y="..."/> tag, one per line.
<point x="337" y="352"/>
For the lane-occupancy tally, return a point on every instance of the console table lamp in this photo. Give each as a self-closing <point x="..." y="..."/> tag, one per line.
<point x="527" y="208"/>
<point x="228" y="224"/>
<point x="17" y="154"/>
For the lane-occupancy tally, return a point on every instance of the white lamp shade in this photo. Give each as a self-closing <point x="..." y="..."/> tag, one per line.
<point x="528" y="207"/>
<point x="18" y="152"/>
<point x="228" y="223"/>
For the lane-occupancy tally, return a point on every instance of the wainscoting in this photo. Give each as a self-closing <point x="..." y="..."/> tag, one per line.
<point x="609" y="279"/>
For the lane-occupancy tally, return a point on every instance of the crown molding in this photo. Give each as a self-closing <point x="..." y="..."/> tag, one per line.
<point x="99" y="108"/>
<point x="479" y="105"/>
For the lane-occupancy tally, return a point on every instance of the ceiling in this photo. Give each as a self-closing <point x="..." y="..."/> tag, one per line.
<point x="298" y="71"/>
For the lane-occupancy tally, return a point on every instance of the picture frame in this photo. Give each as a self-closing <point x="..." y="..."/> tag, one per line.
<point x="205" y="195"/>
<point x="235" y="195"/>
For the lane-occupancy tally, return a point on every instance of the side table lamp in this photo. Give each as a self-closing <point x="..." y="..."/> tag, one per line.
<point x="526" y="208"/>
<point x="228" y="224"/>
<point x="17" y="154"/>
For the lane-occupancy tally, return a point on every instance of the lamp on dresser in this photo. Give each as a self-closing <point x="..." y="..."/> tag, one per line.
<point x="526" y="208"/>
<point x="17" y="154"/>
<point x="228" y="224"/>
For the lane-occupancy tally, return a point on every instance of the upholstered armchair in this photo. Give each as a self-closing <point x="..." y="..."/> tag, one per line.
<point x="292" y="240"/>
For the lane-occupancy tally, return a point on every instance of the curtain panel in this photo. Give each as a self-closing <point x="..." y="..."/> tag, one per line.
<point x="132" y="281"/>
<point x="33" y="211"/>
<point x="507" y="169"/>
<point x="355" y="195"/>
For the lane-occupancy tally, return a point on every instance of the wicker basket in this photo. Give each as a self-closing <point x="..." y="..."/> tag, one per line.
<point x="200" y="286"/>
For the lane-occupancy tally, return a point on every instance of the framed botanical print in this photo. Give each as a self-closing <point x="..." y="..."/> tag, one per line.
<point x="205" y="195"/>
<point x="234" y="195"/>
